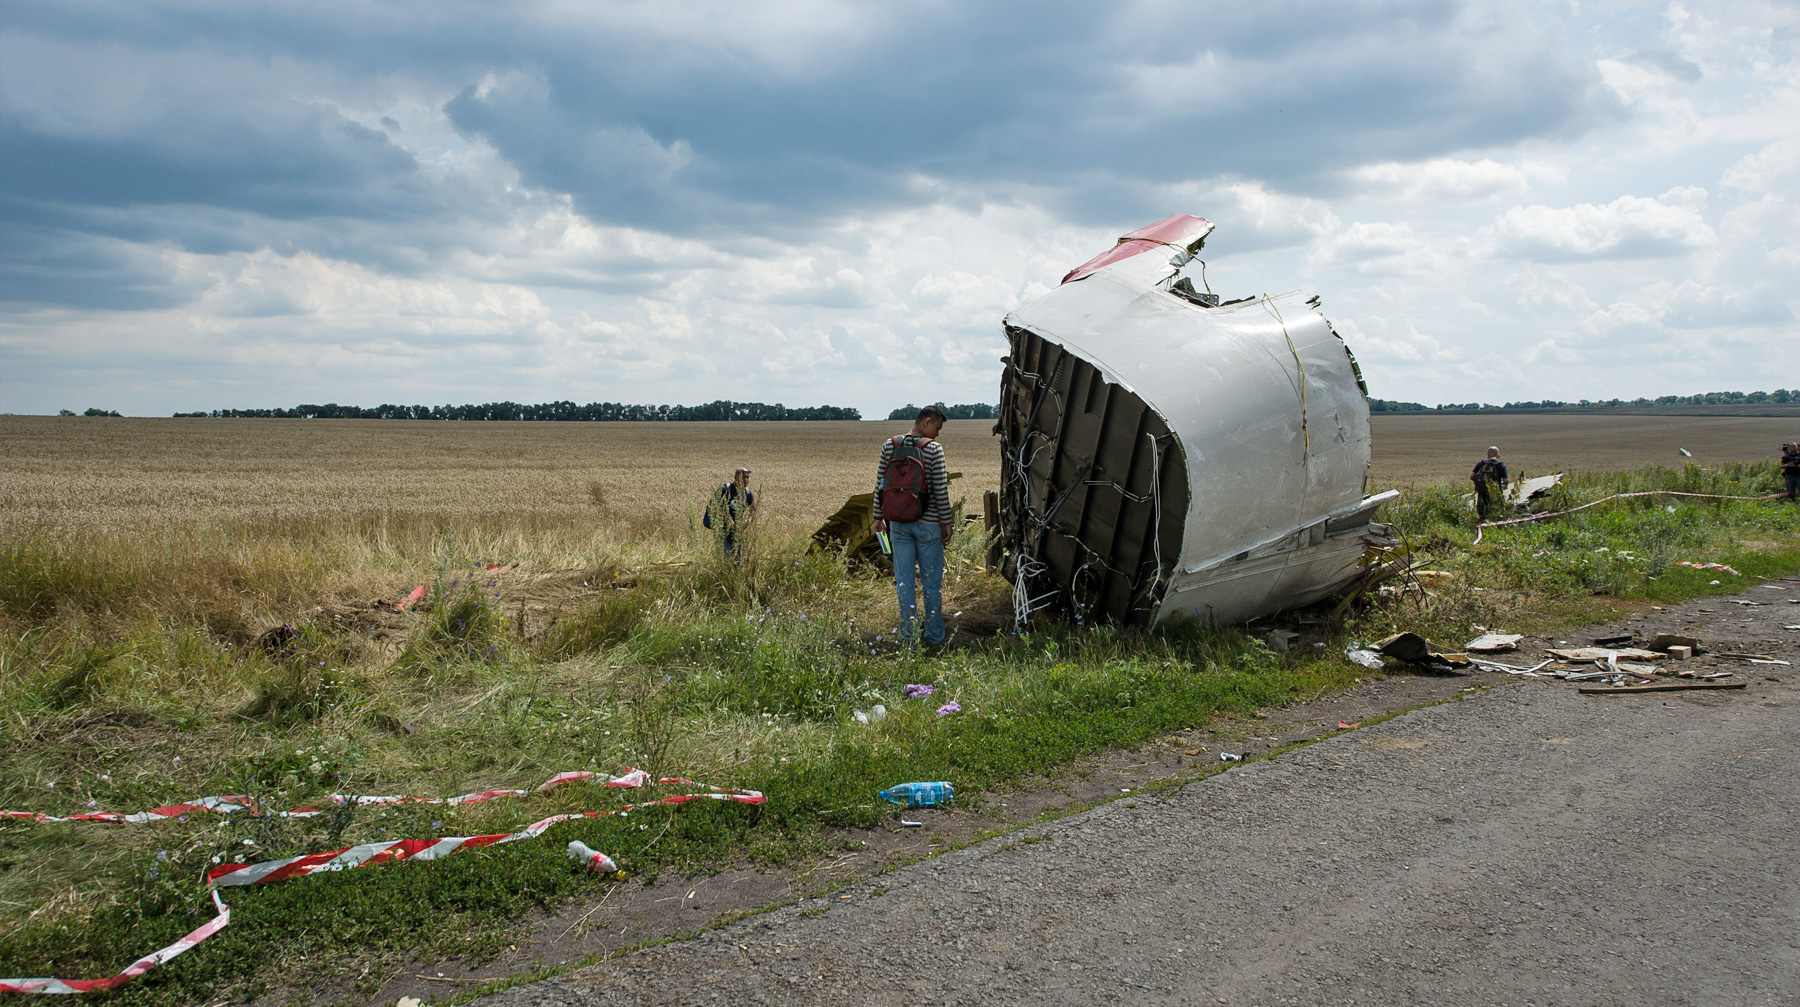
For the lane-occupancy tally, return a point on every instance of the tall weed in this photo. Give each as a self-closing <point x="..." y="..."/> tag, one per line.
<point x="42" y="573"/>
<point x="463" y="625"/>
<point x="600" y="626"/>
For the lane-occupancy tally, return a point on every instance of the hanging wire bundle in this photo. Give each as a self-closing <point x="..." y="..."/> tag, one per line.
<point x="1043" y="515"/>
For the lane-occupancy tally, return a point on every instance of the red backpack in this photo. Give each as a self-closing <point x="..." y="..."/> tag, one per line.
<point x="903" y="490"/>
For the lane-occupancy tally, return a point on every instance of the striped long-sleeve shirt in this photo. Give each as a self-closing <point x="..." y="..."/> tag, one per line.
<point x="937" y="480"/>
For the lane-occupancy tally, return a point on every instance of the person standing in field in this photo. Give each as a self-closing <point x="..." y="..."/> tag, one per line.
<point x="912" y="505"/>
<point x="1489" y="477"/>
<point x="1790" y="469"/>
<point x="730" y="513"/>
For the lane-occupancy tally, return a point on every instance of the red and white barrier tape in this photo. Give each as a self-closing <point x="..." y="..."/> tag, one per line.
<point x="632" y="778"/>
<point x="1481" y="528"/>
<point x="230" y="875"/>
<point x="431" y="849"/>
<point x="226" y="805"/>
<point x="137" y="968"/>
<point x="1708" y="566"/>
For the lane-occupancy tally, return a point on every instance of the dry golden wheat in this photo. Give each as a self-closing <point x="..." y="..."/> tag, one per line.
<point x="636" y="483"/>
<point x="1420" y="450"/>
<point x="304" y="477"/>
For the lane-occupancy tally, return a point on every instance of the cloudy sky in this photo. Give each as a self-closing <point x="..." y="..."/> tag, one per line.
<point x="211" y="204"/>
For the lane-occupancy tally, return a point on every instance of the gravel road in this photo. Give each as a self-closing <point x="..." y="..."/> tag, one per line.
<point x="1524" y="846"/>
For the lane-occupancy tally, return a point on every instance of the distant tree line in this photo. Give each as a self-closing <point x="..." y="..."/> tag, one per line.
<point x="966" y="411"/>
<point x="565" y="410"/>
<point x="92" y="411"/>
<point x="1780" y="396"/>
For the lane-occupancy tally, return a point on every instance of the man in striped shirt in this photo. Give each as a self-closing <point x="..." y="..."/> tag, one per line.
<point x="919" y="544"/>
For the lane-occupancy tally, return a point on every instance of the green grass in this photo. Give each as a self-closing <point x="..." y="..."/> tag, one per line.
<point x="1561" y="571"/>
<point x="735" y="675"/>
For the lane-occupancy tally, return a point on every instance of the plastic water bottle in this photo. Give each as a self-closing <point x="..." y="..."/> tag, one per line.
<point x="915" y="795"/>
<point x="582" y="853"/>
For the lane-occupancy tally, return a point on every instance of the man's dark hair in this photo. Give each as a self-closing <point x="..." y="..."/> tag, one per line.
<point x="930" y="413"/>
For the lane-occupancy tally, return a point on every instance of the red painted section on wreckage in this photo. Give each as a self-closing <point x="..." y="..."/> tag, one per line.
<point x="1181" y="230"/>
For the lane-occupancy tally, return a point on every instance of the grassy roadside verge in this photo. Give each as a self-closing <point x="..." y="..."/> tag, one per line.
<point x="743" y="676"/>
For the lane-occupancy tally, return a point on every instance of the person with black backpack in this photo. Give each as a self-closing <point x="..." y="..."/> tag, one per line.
<point x="1489" y="478"/>
<point x="730" y="512"/>
<point x="912" y="506"/>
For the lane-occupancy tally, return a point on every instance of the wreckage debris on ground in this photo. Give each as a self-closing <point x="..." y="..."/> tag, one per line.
<point x="1602" y="653"/>
<point x="1662" y="687"/>
<point x="1619" y="664"/>
<point x="1494" y="643"/>
<point x="1416" y="650"/>
<point x="851" y="530"/>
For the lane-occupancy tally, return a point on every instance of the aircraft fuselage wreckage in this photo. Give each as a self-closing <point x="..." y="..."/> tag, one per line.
<point x="1166" y="454"/>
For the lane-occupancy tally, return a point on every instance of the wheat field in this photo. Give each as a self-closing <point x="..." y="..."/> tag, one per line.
<point x="244" y="523"/>
<point x="1420" y="450"/>
<point x="636" y="482"/>
<point x="138" y="474"/>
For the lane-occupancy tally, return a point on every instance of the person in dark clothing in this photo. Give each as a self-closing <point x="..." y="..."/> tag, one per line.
<point x="730" y="513"/>
<point x="1489" y="477"/>
<point x="1790" y="468"/>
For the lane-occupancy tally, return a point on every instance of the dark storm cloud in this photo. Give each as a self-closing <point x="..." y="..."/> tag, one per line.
<point x="308" y="162"/>
<point x="203" y="125"/>
<point x="42" y="266"/>
<point x="1097" y="104"/>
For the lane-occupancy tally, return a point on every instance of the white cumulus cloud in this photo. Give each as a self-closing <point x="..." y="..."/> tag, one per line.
<point x="1450" y="180"/>
<point x="1760" y="172"/>
<point x="1629" y="227"/>
<point x="1377" y="248"/>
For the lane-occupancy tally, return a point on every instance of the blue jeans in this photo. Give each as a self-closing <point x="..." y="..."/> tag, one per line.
<point x="920" y="544"/>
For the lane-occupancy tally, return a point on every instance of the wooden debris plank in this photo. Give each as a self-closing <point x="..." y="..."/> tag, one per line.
<point x="1662" y="687"/>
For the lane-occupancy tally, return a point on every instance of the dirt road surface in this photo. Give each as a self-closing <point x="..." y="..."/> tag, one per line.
<point x="1527" y="845"/>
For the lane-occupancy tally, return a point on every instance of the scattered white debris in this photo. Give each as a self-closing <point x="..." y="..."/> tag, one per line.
<point x="1365" y="657"/>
